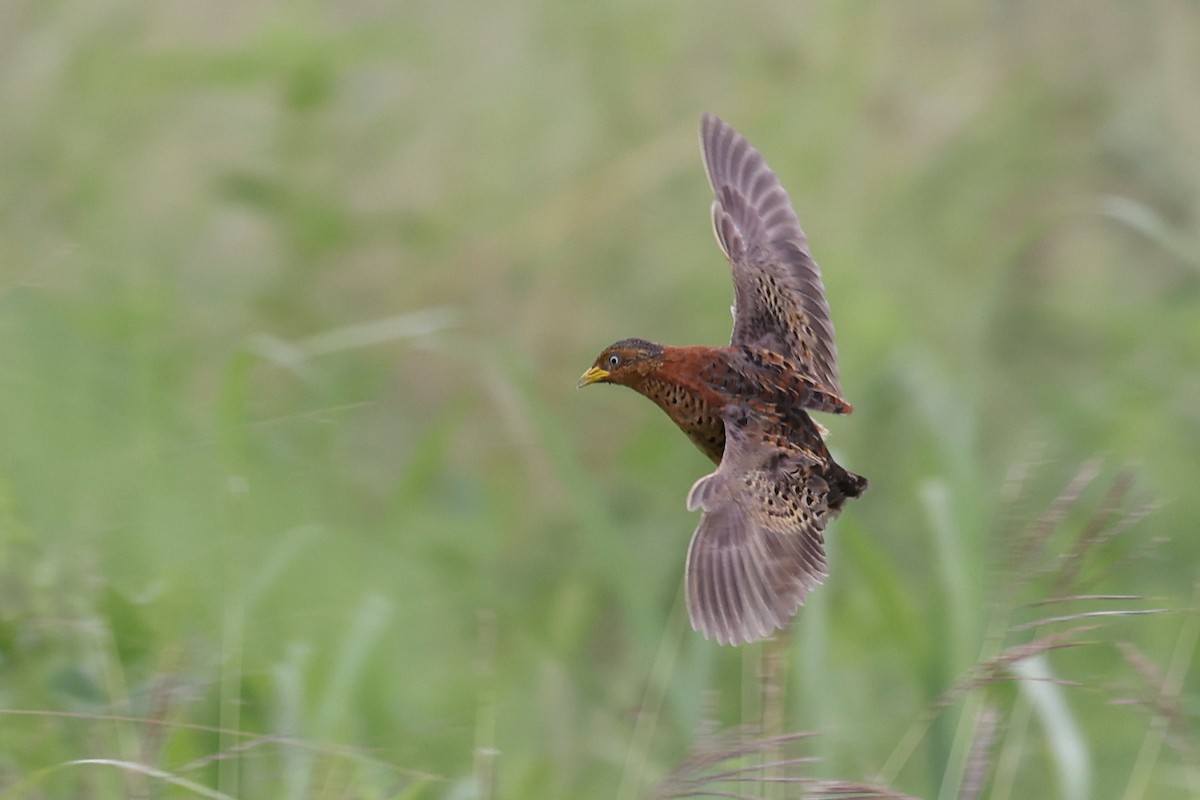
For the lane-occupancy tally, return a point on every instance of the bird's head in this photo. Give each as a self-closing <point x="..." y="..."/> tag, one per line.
<point x="624" y="362"/>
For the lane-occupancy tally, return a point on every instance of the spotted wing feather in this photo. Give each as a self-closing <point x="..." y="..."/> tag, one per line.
<point x="779" y="300"/>
<point x="759" y="547"/>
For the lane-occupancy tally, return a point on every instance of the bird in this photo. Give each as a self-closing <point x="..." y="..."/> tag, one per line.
<point x="759" y="547"/>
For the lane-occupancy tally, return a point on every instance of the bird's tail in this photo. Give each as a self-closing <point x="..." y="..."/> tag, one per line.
<point x="843" y="485"/>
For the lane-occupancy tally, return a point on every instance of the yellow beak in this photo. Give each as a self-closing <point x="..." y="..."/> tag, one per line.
<point x="593" y="375"/>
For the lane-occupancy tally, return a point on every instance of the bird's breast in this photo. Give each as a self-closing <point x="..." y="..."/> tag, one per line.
<point x="679" y="389"/>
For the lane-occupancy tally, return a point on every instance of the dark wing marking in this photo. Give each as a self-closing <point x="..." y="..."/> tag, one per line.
<point x="759" y="547"/>
<point x="779" y="300"/>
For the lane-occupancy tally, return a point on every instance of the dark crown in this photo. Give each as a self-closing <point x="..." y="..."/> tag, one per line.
<point x="639" y="345"/>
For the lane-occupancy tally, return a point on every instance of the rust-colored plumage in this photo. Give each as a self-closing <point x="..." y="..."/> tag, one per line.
<point x="759" y="547"/>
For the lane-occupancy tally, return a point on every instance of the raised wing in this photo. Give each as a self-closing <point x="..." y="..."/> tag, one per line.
<point x="779" y="300"/>
<point x="759" y="547"/>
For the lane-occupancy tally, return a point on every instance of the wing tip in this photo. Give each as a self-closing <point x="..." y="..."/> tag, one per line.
<point x="734" y="633"/>
<point x="709" y="120"/>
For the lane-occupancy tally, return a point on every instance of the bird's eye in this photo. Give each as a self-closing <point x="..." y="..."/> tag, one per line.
<point x="614" y="360"/>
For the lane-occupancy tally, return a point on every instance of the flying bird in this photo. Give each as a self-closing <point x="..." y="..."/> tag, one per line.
<point x="759" y="547"/>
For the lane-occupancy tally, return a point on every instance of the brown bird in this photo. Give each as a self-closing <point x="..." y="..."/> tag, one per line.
<point x="759" y="547"/>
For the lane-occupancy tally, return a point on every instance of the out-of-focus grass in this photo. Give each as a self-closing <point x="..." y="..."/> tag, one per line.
<point x="327" y="552"/>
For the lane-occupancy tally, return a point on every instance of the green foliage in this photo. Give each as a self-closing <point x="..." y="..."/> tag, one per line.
<point x="297" y="496"/>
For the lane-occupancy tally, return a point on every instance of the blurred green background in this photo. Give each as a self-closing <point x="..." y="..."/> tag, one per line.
<point x="295" y="296"/>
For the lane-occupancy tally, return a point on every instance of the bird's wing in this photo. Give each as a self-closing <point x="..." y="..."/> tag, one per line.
<point x="759" y="547"/>
<point x="779" y="300"/>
